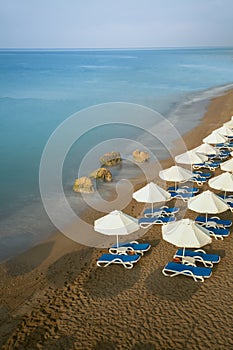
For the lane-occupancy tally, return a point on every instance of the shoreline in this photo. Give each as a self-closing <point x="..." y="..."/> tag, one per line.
<point x="58" y="269"/>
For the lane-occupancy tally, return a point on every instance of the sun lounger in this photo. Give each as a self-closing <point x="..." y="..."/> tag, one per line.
<point x="228" y="199"/>
<point x="213" y="221"/>
<point x="208" y="165"/>
<point x="126" y="260"/>
<point x="201" y="174"/>
<point x="147" y="222"/>
<point x="198" y="180"/>
<point x="218" y="232"/>
<point x="164" y="211"/>
<point x="130" y="247"/>
<point x="184" y="196"/>
<point x="183" y="189"/>
<point x="197" y="273"/>
<point x="222" y="156"/>
<point x="230" y="204"/>
<point x="227" y="145"/>
<point x="206" y="259"/>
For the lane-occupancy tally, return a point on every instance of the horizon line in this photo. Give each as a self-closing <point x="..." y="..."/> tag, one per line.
<point x="110" y="48"/>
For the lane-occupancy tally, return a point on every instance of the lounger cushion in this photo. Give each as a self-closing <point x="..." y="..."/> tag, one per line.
<point x="136" y="246"/>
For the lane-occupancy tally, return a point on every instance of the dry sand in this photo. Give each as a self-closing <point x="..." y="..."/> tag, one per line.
<point x="54" y="296"/>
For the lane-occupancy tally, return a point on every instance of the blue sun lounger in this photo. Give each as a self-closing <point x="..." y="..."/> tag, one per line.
<point x="130" y="247"/>
<point x="218" y="232"/>
<point x="201" y="174"/>
<point x="209" y="165"/>
<point x="197" y="273"/>
<point x="184" y="196"/>
<point x="126" y="260"/>
<point x="213" y="221"/>
<point x="164" y="211"/>
<point x="200" y="181"/>
<point x="199" y="256"/>
<point x="227" y="145"/>
<point x="147" y="222"/>
<point x="183" y="189"/>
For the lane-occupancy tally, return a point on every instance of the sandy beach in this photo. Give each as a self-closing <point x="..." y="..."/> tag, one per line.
<point x="55" y="297"/>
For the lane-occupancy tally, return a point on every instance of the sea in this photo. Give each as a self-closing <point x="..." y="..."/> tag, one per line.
<point x="41" y="91"/>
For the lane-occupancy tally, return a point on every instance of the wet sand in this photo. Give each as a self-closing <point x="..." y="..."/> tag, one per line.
<point x="55" y="297"/>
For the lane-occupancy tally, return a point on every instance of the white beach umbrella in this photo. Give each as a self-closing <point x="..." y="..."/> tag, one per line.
<point x="191" y="157"/>
<point x="186" y="233"/>
<point x="116" y="223"/>
<point x="225" y="131"/>
<point x="205" y="148"/>
<point x="227" y="165"/>
<point x="229" y="124"/>
<point x="175" y="174"/>
<point x="223" y="182"/>
<point x="215" y="138"/>
<point x="207" y="202"/>
<point x="151" y="193"/>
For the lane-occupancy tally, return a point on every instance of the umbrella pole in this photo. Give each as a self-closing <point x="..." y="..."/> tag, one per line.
<point x="183" y="254"/>
<point x="175" y="186"/>
<point x="225" y="193"/>
<point x="117" y="241"/>
<point x="152" y="209"/>
<point x="206" y="217"/>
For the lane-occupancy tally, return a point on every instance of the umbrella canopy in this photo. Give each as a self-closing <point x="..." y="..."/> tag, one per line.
<point x="229" y="124"/>
<point x="205" y="148"/>
<point x="207" y="202"/>
<point x="186" y="233"/>
<point x="223" y="182"/>
<point x="116" y="223"/>
<point x="227" y="165"/>
<point x="151" y="193"/>
<point x="191" y="157"/>
<point x="215" y="138"/>
<point x="224" y="130"/>
<point x="176" y="174"/>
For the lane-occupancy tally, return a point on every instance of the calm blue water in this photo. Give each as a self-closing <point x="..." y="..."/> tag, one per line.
<point x="40" y="89"/>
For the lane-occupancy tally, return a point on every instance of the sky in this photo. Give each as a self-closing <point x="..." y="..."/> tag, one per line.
<point x="115" y="23"/>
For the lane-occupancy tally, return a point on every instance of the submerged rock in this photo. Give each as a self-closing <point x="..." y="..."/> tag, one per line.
<point x="110" y="159"/>
<point x="140" y="156"/>
<point x="103" y="174"/>
<point x="84" y="185"/>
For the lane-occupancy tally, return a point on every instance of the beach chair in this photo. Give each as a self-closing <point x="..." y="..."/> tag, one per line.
<point x="127" y="261"/>
<point x="197" y="273"/>
<point x="227" y="145"/>
<point x="217" y="232"/>
<point x="133" y="247"/>
<point x="197" y="180"/>
<point x="199" y="256"/>
<point x="221" y="156"/>
<point x="228" y="199"/>
<point x="213" y="221"/>
<point x="184" y="196"/>
<point x="200" y="174"/>
<point x="147" y="222"/>
<point x="229" y="202"/>
<point x="164" y="211"/>
<point x="183" y="189"/>
<point x="208" y="165"/>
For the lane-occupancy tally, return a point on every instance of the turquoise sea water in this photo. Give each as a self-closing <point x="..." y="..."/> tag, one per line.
<point x="40" y="89"/>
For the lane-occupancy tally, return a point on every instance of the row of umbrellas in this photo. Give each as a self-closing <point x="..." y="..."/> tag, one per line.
<point x="119" y="223"/>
